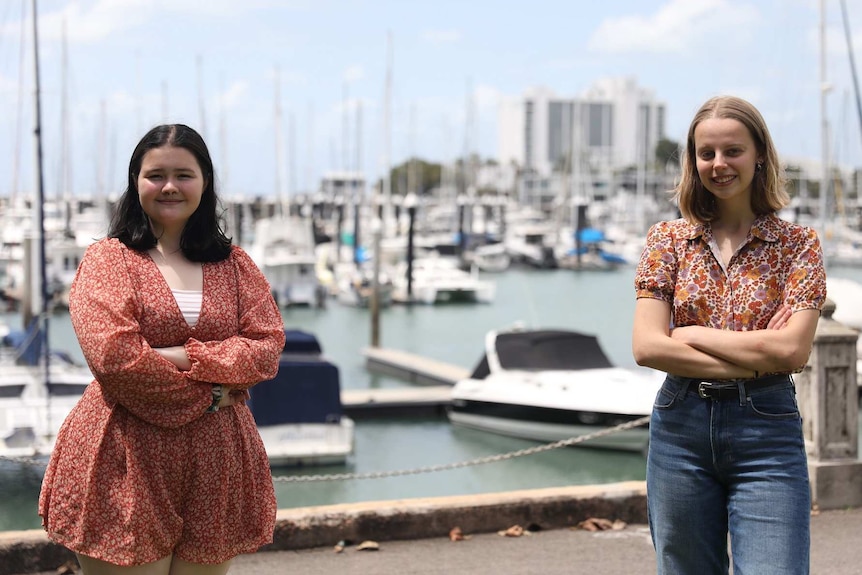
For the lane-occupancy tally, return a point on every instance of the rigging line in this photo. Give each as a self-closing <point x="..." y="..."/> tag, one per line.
<point x="16" y="153"/>
<point x="852" y="60"/>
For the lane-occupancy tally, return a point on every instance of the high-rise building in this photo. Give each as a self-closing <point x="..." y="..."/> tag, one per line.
<point x="613" y="124"/>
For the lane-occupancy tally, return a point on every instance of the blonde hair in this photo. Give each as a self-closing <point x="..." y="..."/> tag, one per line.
<point x="768" y="188"/>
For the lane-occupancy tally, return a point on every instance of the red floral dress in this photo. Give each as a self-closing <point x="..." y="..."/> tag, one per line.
<point x="140" y="469"/>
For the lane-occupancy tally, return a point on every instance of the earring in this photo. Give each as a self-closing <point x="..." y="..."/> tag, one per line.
<point x="758" y="166"/>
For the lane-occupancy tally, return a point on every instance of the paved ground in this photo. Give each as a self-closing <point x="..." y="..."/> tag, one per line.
<point x="836" y="544"/>
<point x="836" y="550"/>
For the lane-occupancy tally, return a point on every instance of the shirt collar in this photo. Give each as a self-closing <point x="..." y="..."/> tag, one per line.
<point x="765" y="227"/>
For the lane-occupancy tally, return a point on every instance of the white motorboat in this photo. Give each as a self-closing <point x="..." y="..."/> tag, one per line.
<point x="356" y="288"/>
<point x="489" y="258"/>
<point x="437" y="280"/>
<point x="533" y="245"/>
<point x="299" y="413"/>
<point x="588" y="249"/>
<point x="283" y="249"/>
<point x="33" y="403"/>
<point x="549" y="385"/>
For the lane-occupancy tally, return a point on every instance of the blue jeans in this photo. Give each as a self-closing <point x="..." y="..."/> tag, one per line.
<point x="724" y="466"/>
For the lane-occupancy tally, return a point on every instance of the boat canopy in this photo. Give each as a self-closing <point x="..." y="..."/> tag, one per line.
<point x="545" y="350"/>
<point x="306" y="389"/>
<point x="298" y="341"/>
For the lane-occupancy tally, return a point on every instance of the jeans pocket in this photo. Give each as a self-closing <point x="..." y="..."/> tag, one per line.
<point x="665" y="397"/>
<point x="775" y="403"/>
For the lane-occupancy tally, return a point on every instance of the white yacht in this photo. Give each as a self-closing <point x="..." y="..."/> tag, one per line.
<point x="439" y="280"/>
<point x="550" y="385"/>
<point x="34" y="401"/>
<point x="283" y="249"/>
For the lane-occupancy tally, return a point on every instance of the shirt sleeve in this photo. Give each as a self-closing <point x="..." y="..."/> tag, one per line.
<point x="655" y="276"/>
<point x="252" y="355"/>
<point x="806" y="278"/>
<point x="104" y="313"/>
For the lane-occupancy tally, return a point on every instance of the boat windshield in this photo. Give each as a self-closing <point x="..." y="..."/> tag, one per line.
<point x="546" y="350"/>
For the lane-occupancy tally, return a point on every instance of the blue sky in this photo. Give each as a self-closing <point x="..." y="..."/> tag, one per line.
<point x="213" y="64"/>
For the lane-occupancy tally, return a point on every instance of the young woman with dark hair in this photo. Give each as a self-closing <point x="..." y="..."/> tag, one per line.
<point x="160" y="469"/>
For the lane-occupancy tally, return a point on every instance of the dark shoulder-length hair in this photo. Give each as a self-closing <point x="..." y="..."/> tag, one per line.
<point x="769" y="187"/>
<point x="203" y="239"/>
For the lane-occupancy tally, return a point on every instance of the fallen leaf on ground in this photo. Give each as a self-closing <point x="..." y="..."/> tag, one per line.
<point x="600" y="524"/>
<point x="513" y="531"/>
<point x="455" y="534"/>
<point x="368" y="546"/>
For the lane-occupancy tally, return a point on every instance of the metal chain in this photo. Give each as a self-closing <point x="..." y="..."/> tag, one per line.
<point x="478" y="461"/>
<point x="430" y="468"/>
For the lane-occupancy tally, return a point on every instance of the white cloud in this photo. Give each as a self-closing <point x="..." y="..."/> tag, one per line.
<point x="235" y="93"/>
<point x="486" y="96"/>
<point x="90" y="25"/>
<point x="568" y="64"/>
<point x="677" y="25"/>
<point x="450" y="36"/>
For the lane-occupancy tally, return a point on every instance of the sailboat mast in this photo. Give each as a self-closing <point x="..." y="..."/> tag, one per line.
<point x="387" y="137"/>
<point x="849" y="39"/>
<point x="824" y="122"/>
<point x="40" y="203"/>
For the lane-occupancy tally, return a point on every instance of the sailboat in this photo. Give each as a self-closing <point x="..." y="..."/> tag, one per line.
<point x="38" y="387"/>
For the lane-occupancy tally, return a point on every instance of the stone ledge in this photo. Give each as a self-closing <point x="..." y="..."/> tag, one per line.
<point x="434" y="517"/>
<point x="306" y="527"/>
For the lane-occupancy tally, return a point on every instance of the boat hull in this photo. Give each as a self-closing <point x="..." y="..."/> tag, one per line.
<point x="308" y="444"/>
<point x="549" y="425"/>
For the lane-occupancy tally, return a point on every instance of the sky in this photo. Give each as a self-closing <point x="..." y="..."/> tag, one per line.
<point x="285" y="91"/>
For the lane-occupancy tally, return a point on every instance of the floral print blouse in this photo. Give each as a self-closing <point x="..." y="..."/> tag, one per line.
<point x="779" y="263"/>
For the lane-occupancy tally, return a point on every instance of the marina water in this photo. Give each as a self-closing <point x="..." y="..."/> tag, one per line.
<point x="601" y="303"/>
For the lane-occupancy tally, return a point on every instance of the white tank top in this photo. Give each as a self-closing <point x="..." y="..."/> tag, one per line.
<point x="189" y="302"/>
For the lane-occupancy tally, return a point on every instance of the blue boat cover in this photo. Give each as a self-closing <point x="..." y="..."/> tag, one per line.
<point x="306" y="389"/>
<point x="298" y="341"/>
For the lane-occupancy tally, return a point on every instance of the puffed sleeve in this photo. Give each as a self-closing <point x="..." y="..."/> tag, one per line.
<point x="806" y="278"/>
<point x="656" y="272"/>
<point x="252" y="355"/>
<point x="104" y="313"/>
